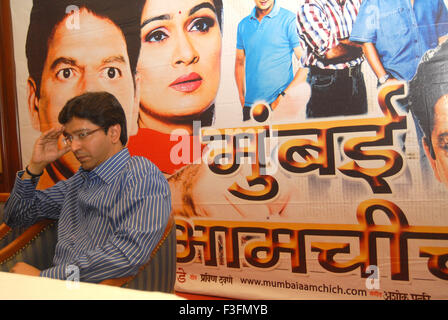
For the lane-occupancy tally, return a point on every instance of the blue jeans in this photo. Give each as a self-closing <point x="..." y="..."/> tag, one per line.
<point x="336" y="92"/>
<point x="246" y="113"/>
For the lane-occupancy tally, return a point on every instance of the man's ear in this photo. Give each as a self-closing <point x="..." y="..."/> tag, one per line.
<point x="431" y="160"/>
<point x="33" y="103"/>
<point x="133" y="121"/>
<point x="115" y="132"/>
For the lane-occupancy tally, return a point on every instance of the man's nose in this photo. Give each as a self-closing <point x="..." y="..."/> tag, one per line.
<point x="90" y="83"/>
<point x="75" y="145"/>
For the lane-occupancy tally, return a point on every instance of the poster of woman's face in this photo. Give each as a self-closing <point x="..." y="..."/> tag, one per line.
<point x="180" y="61"/>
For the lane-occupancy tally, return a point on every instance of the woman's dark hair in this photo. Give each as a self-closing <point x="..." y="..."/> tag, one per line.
<point x="47" y="14"/>
<point x="208" y="116"/>
<point x="219" y="12"/>
<point x="100" y="108"/>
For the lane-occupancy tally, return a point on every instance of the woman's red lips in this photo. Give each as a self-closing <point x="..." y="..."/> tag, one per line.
<point x="187" y="83"/>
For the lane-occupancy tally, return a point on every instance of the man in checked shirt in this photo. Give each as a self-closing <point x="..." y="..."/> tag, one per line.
<point x="334" y="62"/>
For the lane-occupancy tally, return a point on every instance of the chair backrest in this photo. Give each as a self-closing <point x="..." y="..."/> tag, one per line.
<point x="159" y="274"/>
<point x="34" y="245"/>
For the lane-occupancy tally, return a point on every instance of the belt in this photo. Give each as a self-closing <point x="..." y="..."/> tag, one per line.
<point x="347" y="72"/>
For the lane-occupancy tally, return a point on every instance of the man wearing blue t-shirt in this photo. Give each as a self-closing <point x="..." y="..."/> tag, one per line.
<point x="266" y="41"/>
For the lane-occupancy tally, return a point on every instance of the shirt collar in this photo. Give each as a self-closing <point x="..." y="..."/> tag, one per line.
<point x="275" y="10"/>
<point x="107" y="170"/>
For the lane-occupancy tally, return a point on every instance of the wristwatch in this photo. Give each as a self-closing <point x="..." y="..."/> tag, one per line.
<point x="383" y="79"/>
<point x="33" y="175"/>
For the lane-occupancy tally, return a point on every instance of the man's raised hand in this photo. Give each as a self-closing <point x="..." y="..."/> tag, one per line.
<point x="46" y="150"/>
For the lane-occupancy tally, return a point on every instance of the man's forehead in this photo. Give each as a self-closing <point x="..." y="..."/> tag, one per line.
<point x="76" y="124"/>
<point x="441" y="115"/>
<point x="441" y="106"/>
<point x="96" y="35"/>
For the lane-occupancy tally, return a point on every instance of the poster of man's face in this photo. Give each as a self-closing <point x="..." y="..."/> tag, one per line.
<point x="439" y="138"/>
<point x="82" y="50"/>
<point x="429" y="103"/>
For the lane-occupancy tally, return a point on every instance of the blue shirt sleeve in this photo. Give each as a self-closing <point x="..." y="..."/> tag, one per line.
<point x="442" y="22"/>
<point x="239" y="36"/>
<point x="144" y="210"/>
<point x="293" y="34"/>
<point x="26" y="205"/>
<point x="366" y="24"/>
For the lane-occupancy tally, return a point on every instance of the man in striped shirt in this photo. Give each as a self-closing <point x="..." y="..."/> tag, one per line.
<point x="111" y="213"/>
<point x="337" y="83"/>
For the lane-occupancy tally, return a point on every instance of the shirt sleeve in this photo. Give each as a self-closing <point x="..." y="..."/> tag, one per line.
<point x="314" y="28"/>
<point x="143" y="210"/>
<point x="26" y="205"/>
<point x="293" y="35"/>
<point x="366" y="23"/>
<point x="239" y="36"/>
<point x="442" y="23"/>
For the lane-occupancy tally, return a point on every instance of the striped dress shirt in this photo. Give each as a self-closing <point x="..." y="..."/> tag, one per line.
<point x="321" y="24"/>
<point x="109" y="219"/>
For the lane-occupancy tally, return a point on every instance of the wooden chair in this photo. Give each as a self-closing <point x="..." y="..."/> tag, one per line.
<point x="36" y="245"/>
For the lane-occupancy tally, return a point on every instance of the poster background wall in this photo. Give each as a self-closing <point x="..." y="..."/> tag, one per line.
<point x="206" y="264"/>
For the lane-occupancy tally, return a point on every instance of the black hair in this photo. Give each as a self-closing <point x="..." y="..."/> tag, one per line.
<point x="429" y="84"/>
<point x="219" y="12"/>
<point x="100" y="108"/>
<point x="47" y="14"/>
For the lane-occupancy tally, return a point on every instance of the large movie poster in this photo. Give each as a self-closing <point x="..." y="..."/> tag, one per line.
<point x="305" y="141"/>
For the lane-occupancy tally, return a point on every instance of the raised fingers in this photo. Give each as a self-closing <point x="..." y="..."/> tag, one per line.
<point x="51" y="134"/>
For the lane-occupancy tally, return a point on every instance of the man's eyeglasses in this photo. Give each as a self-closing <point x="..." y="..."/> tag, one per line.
<point x="68" y="139"/>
